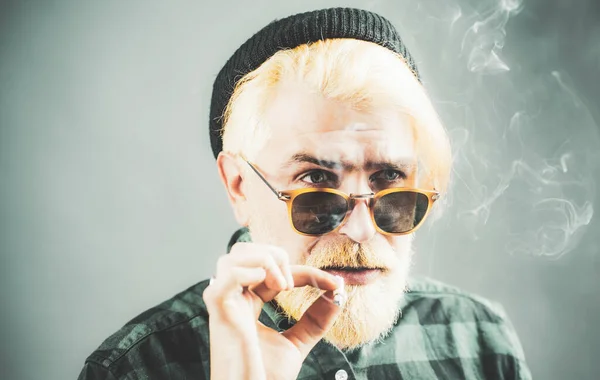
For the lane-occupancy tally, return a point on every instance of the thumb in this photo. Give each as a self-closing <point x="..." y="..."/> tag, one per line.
<point x="315" y="322"/>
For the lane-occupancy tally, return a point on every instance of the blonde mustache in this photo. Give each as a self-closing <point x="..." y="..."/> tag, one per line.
<point x="344" y="253"/>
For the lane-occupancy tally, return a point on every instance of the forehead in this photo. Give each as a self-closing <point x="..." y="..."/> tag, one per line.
<point x="301" y="120"/>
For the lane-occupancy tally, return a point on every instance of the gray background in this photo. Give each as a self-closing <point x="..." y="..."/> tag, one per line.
<point x="110" y="200"/>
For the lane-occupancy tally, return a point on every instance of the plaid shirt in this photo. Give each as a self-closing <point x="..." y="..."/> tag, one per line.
<point x="443" y="333"/>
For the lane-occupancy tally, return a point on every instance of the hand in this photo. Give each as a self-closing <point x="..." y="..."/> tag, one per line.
<point x="240" y="346"/>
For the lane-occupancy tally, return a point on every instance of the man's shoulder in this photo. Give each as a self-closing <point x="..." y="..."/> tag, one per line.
<point x="472" y="325"/>
<point x="433" y="300"/>
<point x="182" y="318"/>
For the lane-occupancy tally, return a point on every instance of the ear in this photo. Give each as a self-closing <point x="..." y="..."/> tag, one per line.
<point x="231" y="175"/>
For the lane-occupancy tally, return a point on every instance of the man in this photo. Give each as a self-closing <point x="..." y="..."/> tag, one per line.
<point x="332" y="157"/>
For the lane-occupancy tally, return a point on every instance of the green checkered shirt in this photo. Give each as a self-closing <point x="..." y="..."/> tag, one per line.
<point x="443" y="333"/>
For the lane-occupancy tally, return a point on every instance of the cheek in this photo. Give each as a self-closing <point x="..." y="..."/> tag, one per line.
<point x="401" y="244"/>
<point x="268" y="219"/>
<point x="270" y="224"/>
<point x="262" y="204"/>
<point x="266" y="214"/>
<point x="298" y="247"/>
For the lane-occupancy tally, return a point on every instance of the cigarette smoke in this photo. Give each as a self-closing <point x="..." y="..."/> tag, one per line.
<point x="526" y="147"/>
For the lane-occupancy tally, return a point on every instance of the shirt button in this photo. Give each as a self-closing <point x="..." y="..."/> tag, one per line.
<point x="341" y="375"/>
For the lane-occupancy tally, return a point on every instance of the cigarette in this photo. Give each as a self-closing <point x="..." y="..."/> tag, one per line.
<point x="339" y="295"/>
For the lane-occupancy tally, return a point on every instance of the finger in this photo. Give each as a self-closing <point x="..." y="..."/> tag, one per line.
<point x="314" y="324"/>
<point x="306" y="275"/>
<point x="232" y="283"/>
<point x="303" y="275"/>
<point x="279" y="255"/>
<point x="252" y="259"/>
<point x="283" y="260"/>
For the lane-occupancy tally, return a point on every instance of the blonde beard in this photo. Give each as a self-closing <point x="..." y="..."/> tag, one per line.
<point x="370" y="310"/>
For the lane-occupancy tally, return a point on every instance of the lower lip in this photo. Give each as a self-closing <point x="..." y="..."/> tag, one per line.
<point x="360" y="277"/>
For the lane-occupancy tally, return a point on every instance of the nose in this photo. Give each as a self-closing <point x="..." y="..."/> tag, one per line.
<point x="359" y="225"/>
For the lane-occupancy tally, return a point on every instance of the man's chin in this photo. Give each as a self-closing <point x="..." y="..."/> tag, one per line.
<point x="368" y="316"/>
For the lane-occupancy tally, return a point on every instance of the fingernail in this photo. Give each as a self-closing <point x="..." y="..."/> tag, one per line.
<point x="340" y="282"/>
<point x="284" y="282"/>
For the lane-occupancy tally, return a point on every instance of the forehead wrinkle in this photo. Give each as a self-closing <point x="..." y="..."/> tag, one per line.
<point x="405" y="165"/>
<point x="329" y="164"/>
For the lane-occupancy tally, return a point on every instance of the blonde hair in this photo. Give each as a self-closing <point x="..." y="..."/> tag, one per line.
<point x="360" y="74"/>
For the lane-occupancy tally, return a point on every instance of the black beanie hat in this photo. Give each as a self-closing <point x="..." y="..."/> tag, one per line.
<point x="289" y="33"/>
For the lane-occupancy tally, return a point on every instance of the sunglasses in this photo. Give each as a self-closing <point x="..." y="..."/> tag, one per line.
<point x="318" y="211"/>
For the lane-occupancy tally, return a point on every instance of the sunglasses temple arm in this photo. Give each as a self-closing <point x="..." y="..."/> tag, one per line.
<point x="277" y="193"/>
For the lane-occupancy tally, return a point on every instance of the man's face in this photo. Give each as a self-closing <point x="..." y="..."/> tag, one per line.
<point x="319" y="142"/>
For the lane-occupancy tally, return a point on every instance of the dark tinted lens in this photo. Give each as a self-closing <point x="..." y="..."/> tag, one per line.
<point x="400" y="212"/>
<point x="318" y="213"/>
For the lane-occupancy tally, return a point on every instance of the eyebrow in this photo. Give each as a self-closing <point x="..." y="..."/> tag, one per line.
<point x="405" y="166"/>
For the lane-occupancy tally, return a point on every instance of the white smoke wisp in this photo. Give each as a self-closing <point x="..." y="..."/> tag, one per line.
<point x="542" y="203"/>
<point x="547" y="214"/>
<point x="441" y="13"/>
<point x="562" y="233"/>
<point x="551" y="217"/>
<point x="526" y="149"/>
<point x="484" y="40"/>
<point x="558" y="76"/>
